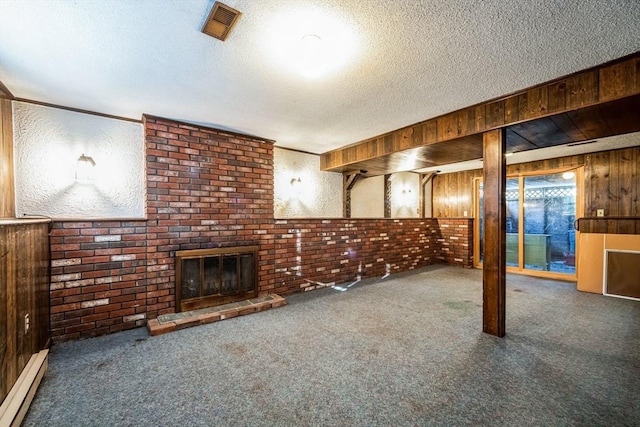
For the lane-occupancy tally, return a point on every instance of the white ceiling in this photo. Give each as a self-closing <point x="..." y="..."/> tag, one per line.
<point x="396" y="62"/>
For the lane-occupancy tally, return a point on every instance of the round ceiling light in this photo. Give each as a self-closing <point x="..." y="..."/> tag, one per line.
<point x="311" y="56"/>
<point x="311" y="42"/>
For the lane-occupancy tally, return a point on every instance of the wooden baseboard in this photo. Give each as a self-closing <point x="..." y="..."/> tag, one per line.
<point x="16" y="404"/>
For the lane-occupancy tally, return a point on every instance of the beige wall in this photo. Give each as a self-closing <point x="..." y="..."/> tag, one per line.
<point x="317" y="195"/>
<point x="367" y="198"/>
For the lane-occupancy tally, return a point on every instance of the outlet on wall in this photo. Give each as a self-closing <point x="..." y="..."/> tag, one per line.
<point x="600" y="212"/>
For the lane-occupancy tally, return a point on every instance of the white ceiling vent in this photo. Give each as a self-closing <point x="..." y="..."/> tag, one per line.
<point x="220" y="21"/>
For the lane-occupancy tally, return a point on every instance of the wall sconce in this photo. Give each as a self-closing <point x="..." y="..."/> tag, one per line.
<point x="296" y="187"/>
<point x="84" y="168"/>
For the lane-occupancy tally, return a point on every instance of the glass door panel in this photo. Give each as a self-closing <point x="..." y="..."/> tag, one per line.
<point x="549" y="212"/>
<point x="512" y="220"/>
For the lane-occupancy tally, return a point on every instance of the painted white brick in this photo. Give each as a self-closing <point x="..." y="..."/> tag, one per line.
<point x="94" y="303"/>
<point x="134" y="317"/>
<point x="65" y="262"/>
<point x="108" y="238"/>
<point x="123" y="257"/>
<point x="65" y="277"/>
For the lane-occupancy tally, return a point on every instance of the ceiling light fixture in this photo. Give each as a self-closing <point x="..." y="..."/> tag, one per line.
<point x="310" y="42"/>
<point x="311" y="56"/>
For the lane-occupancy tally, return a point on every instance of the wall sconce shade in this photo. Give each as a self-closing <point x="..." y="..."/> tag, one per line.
<point x="84" y="168"/>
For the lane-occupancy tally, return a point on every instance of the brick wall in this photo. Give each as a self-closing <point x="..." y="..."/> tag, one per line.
<point x="98" y="277"/>
<point x="455" y="241"/>
<point x="311" y="253"/>
<point x="208" y="188"/>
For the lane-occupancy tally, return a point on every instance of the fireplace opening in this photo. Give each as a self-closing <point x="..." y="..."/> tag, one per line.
<point x="210" y="277"/>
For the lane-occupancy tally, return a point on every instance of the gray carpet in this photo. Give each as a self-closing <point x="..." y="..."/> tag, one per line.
<point x="407" y="350"/>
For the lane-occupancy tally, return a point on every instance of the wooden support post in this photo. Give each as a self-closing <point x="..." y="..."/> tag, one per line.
<point x="424" y="179"/>
<point x="387" y="195"/>
<point x="494" y="267"/>
<point x="348" y="181"/>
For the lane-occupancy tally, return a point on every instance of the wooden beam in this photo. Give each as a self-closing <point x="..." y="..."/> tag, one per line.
<point x="615" y="80"/>
<point x="424" y="179"/>
<point x="348" y="181"/>
<point x="494" y="266"/>
<point x="387" y="195"/>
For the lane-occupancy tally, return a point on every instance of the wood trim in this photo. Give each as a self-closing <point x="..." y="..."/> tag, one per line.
<point x="5" y="92"/>
<point x="591" y="87"/>
<point x="520" y="223"/>
<point x="200" y="253"/>
<point x="76" y="110"/>
<point x="7" y="186"/>
<point x="476" y="228"/>
<point x="494" y="271"/>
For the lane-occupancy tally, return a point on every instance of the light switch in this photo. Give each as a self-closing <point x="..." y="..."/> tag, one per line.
<point x="600" y="212"/>
<point x="464" y="213"/>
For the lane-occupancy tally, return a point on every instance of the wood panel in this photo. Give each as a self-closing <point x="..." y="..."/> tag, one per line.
<point x="24" y="279"/>
<point x="612" y="180"/>
<point x="453" y="194"/>
<point x="7" y="196"/>
<point x="595" y="103"/>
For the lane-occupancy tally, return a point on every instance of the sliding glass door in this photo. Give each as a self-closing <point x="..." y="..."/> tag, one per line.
<point x="540" y="212"/>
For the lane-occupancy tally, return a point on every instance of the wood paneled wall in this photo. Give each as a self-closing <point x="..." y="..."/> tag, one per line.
<point x="24" y="290"/>
<point x="611" y="182"/>
<point x="7" y="198"/>
<point x="453" y="194"/>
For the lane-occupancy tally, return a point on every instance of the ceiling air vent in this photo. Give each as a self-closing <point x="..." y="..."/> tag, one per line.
<point x="220" y="21"/>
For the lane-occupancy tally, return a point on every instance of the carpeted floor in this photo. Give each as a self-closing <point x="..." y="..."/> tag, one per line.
<point x="404" y="351"/>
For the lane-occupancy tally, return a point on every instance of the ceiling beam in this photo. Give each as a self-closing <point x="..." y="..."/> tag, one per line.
<point x="461" y="131"/>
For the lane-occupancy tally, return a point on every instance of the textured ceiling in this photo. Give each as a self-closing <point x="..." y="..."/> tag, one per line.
<point x="395" y="63"/>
